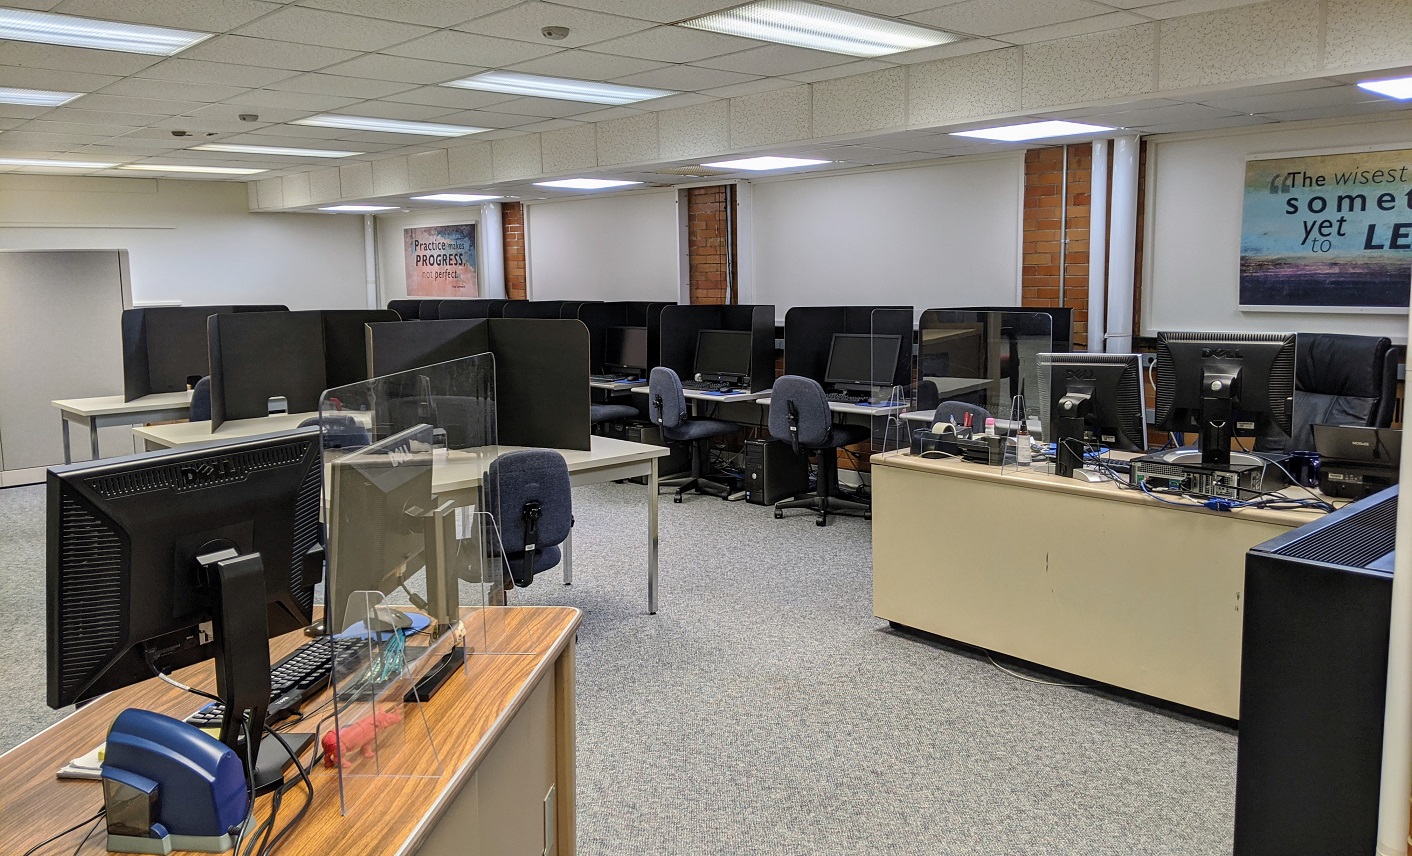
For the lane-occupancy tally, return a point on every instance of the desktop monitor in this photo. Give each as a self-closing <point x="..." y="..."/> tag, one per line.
<point x="1224" y="385"/>
<point x="148" y="554"/>
<point x="862" y="361"/>
<point x="1089" y="400"/>
<point x="625" y="350"/>
<point x="723" y="354"/>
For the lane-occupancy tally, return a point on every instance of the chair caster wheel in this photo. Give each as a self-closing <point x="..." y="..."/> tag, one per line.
<point x="676" y="498"/>
<point x="867" y="515"/>
<point x="779" y="515"/>
<point x="822" y="521"/>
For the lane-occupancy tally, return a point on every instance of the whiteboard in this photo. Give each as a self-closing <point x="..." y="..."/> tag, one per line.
<point x="942" y="235"/>
<point x="610" y="248"/>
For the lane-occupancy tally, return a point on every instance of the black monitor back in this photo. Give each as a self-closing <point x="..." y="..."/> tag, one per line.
<point x="258" y="356"/>
<point x="164" y="347"/>
<point x="1266" y="362"/>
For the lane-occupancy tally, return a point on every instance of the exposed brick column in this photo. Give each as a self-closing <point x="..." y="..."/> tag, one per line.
<point x="710" y="243"/>
<point x="1045" y="229"/>
<point x="512" y="218"/>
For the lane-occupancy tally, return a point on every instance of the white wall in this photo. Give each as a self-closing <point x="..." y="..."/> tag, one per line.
<point x="1196" y="185"/>
<point x="192" y="241"/>
<point x="941" y="235"/>
<point x="391" y="258"/>
<point x="608" y="248"/>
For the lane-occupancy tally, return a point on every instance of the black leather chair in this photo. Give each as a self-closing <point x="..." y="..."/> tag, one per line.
<point x="528" y="494"/>
<point x="666" y="407"/>
<point x="800" y="416"/>
<point x="1340" y="380"/>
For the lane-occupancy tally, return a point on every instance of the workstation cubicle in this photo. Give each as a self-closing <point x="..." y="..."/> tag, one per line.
<point x="681" y="333"/>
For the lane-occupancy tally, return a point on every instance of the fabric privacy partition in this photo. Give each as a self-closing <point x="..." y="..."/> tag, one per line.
<point x="543" y="308"/>
<point x="164" y="347"/>
<point x="470" y="308"/>
<point x="681" y="324"/>
<point x="345" y="343"/>
<point x="598" y="317"/>
<point x="809" y="330"/>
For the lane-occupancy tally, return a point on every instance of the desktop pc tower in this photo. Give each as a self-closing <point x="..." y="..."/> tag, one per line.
<point x="678" y="462"/>
<point x="773" y="472"/>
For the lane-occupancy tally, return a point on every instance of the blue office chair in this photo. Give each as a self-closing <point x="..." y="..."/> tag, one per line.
<point x="527" y="492"/>
<point x="800" y="416"/>
<point x="949" y="411"/>
<point x="201" y="400"/>
<point x="599" y="414"/>
<point x="339" y="432"/>
<point x="666" y="408"/>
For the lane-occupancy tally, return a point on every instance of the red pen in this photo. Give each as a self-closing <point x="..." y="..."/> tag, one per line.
<point x="966" y="420"/>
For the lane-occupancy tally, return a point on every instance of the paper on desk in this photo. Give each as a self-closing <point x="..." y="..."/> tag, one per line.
<point x="88" y="766"/>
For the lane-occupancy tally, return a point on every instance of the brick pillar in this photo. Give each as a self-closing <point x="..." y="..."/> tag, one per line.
<point x="1045" y="230"/>
<point x="711" y="243"/>
<point x="512" y="217"/>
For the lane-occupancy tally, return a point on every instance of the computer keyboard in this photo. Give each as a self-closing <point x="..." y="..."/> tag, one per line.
<point x="296" y="678"/>
<point x="706" y="386"/>
<point x="847" y="398"/>
<point x="611" y="378"/>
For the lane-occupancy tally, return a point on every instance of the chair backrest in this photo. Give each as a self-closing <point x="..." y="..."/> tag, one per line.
<point x="528" y="494"/>
<point x="666" y="403"/>
<point x="201" y="400"/>
<point x="339" y="432"/>
<point x="948" y="411"/>
<point x="1339" y="380"/>
<point x="799" y="412"/>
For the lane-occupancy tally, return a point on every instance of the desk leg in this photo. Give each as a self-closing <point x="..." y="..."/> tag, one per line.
<point x="652" y="539"/>
<point x="93" y="437"/>
<point x="64" y="426"/>
<point x="569" y="558"/>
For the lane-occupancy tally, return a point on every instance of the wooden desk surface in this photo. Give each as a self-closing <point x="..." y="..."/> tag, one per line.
<point x="391" y="818"/>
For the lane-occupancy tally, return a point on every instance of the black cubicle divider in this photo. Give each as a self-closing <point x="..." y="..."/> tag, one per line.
<point x="598" y="317"/>
<point x="345" y="343"/>
<point x="1061" y="328"/>
<point x="409" y="309"/>
<point x="809" y="330"/>
<point x="165" y="346"/>
<point x="541" y="370"/>
<point x="258" y="356"/>
<point x="448" y="310"/>
<point x="681" y="324"/>
<point x="533" y="309"/>
<point x="429" y="310"/>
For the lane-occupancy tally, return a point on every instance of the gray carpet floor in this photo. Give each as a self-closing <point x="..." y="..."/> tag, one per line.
<point x="764" y="710"/>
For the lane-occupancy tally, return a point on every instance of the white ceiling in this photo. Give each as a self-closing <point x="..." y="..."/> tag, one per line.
<point x="287" y="60"/>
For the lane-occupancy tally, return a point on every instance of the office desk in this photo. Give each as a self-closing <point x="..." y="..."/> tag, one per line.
<point x="856" y="409"/>
<point x="504" y="734"/>
<point x="616" y="385"/>
<point x="695" y="395"/>
<point x="109" y="411"/>
<point x="156" y="437"/>
<point x="1104" y="583"/>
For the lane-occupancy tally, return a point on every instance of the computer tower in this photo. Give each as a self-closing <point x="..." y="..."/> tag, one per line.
<point x="1314" y="659"/>
<point x="773" y="472"/>
<point x="678" y="462"/>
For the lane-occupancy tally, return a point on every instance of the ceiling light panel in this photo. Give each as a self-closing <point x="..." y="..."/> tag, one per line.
<point x="22" y="25"/>
<point x="53" y="164"/>
<point x="1397" y="87"/>
<point x="212" y="170"/>
<point x="765" y="163"/>
<point x="585" y="183"/>
<point x="822" y="28"/>
<point x="35" y="97"/>
<point x="390" y="126"/>
<point x="273" y="150"/>
<point x="359" y="209"/>
<point x="1033" y="131"/>
<point x="456" y="197"/>
<point x="568" y="89"/>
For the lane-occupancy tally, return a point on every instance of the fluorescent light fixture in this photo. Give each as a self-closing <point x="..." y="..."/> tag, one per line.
<point x="456" y="197"/>
<point x="538" y="86"/>
<point x="822" y="28"/>
<point x="764" y="163"/>
<point x="23" y="25"/>
<point x="54" y="164"/>
<point x="35" y="97"/>
<point x="585" y="183"/>
<point x="1032" y="131"/>
<point x="213" y="170"/>
<point x="1397" y="87"/>
<point x="359" y="209"/>
<point x="272" y="150"/>
<point x="391" y="126"/>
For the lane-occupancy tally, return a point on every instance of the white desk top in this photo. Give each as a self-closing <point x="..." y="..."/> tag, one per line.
<point x="862" y="409"/>
<point x="717" y="397"/>
<point x="112" y="405"/>
<point x="464" y="469"/>
<point x="191" y="433"/>
<point x="616" y="385"/>
<point x="949" y="386"/>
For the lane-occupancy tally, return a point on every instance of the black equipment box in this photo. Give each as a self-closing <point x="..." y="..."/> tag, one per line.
<point x="773" y="472"/>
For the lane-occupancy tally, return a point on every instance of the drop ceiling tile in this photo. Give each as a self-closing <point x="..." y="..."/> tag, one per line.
<point x="123" y="104"/>
<point x="1157" y="116"/>
<point x="687" y="78"/>
<point x="216" y="73"/>
<point x="450" y="97"/>
<point x="552" y="125"/>
<point x="873" y="156"/>
<point x="1080" y="27"/>
<point x="396" y="110"/>
<point x="51" y="141"/>
<point x="278" y="139"/>
<point x="232" y="113"/>
<point x="244" y="50"/>
<point x="750" y="87"/>
<point x="1330" y="96"/>
<point x="545" y="108"/>
<point x="1181" y="8"/>
<point x="609" y="114"/>
<point x="219" y="127"/>
<point x="101" y="117"/>
<point x="525" y="21"/>
<point x="1266" y="41"/>
<point x="42" y="126"/>
<point x="6" y="123"/>
<point x="832" y="72"/>
<point x="962" y="48"/>
<point x="403" y="69"/>
<point x="661" y="11"/>
<point x="1382" y="105"/>
<point x="672" y="102"/>
<point x="675" y="44"/>
<point x="989" y="17"/>
<point x="21" y="111"/>
<point x="587" y="65"/>
<point x="212" y="17"/>
<point x="894" y="8"/>
<point x="774" y="60"/>
<point x="138" y="87"/>
<point x="331" y="29"/>
<point x="364" y="139"/>
<point x="118" y="149"/>
<point x="470" y="49"/>
<point x="1209" y="125"/>
<point x="333" y="84"/>
<point x="88" y="61"/>
<point x="291" y="100"/>
<point x="488" y="119"/>
<point x="432" y="13"/>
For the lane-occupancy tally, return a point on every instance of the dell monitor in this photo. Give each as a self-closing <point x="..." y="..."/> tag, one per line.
<point x="1224" y="385"/>
<point x="147" y="554"/>
<point x="723" y="355"/>
<point x="861" y="361"/>
<point x="1091" y="400"/>
<point x="625" y="350"/>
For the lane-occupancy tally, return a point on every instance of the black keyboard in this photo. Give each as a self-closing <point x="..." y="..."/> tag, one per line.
<point x="706" y="386"/>
<point x="847" y="398"/>
<point x="296" y="678"/>
<point x="611" y="378"/>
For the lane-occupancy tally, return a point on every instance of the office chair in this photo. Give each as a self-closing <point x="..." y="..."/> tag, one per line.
<point x="1339" y="380"/>
<point x="948" y="411"/>
<point x="666" y="407"/>
<point x="800" y="416"/>
<point x="339" y="432"/>
<point x="601" y="413"/>
<point x="201" y="400"/>
<point x="527" y="492"/>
